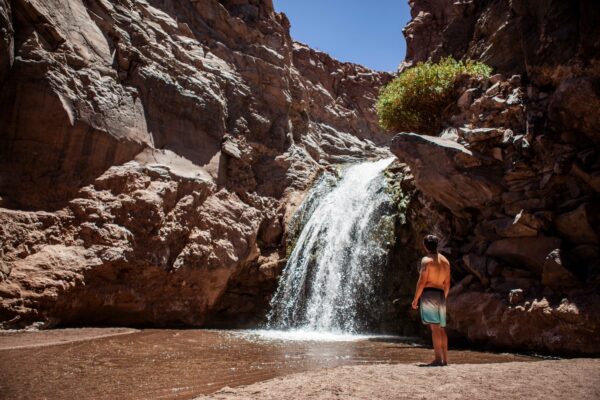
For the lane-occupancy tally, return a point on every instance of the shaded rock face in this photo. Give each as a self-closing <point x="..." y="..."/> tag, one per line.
<point x="151" y="151"/>
<point x="516" y="169"/>
<point x="566" y="326"/>
<point x="543" y="40"/>
<point x="169" y="75"/>
<point x="552" y="45"/>
<point x="145" y="243"/>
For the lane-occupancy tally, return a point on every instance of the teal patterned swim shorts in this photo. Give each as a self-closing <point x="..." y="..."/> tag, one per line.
<point x="433" y="307"/>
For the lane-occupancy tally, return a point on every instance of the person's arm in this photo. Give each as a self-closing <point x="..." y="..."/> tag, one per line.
<point x="421" y="283"/>
<point x="447" y="281"/>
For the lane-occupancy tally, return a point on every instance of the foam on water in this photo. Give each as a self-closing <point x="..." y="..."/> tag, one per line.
<point x="304" y="335"/>
<point x="329" y="287"/>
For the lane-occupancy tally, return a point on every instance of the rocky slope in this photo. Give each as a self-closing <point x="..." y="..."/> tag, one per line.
<point x="515" y="174"/>
<point x="151" y="151"/>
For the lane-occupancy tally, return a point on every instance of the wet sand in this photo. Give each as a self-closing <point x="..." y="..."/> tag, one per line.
<point x="182" y="364"/>
<point x="19" y="339"/>
<point x="556" y="379"/>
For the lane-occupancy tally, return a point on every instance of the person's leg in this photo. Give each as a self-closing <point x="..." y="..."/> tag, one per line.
<point x="436" y="339"/>
<point x="444" y="345"/>
<point x="440" y="344"/>
<point x="433" y="341"/>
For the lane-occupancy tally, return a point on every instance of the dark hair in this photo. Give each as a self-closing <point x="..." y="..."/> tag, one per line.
<point x="431" y="243"/>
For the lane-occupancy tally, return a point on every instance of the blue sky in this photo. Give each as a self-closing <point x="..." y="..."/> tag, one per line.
<point x="359" y="31"/>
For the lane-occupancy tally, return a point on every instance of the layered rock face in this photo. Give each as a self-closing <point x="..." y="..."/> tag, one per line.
<point x="151" y="151"/>
<point x="542" y="39"/>
<point x="516" y="172"/>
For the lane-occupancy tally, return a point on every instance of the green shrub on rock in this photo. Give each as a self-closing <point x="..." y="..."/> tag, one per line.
<point x="416" y="99"/>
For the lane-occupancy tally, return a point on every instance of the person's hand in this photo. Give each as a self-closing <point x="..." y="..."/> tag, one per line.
<point x="415" y="304"/>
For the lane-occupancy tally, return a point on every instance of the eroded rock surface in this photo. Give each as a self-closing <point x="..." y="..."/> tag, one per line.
<point x="150" y="152"/>
<point x="544" y="39"/>
<point x="516" y="169"/>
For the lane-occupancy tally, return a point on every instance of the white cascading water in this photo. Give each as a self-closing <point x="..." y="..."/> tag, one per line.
<point x="333" y="275"/>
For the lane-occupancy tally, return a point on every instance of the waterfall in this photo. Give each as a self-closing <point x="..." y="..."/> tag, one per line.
<point x="334" y="274"/>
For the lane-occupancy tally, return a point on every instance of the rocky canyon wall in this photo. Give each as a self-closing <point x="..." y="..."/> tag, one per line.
<point x="514" y="176"/>
<point x="151" y="151"/>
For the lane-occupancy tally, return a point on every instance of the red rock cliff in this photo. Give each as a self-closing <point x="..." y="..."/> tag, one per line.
<point x="515" y="174"/>
<point x="150" y="152"/>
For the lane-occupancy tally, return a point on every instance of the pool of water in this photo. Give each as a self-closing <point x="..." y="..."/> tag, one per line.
<point x="93" y="363"/>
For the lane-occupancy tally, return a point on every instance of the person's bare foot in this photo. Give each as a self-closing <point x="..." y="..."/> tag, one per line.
<point x="435" y="363"/>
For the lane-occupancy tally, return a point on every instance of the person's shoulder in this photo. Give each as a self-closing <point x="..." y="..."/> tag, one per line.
<point x="444" y="260"/>
<point x="425" y="261"/>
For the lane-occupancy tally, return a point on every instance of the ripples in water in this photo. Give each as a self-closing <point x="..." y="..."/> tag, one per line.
<point x="181" y="364"/>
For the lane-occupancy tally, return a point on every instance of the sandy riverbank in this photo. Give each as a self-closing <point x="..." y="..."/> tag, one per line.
<point x="118" y="363"/>
<point x="551" y="379"/>
<point x="109" y="363"/>
<point x="18" y="339"/>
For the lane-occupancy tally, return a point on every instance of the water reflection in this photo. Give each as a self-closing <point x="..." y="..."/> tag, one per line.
<point x="181" y="364"/>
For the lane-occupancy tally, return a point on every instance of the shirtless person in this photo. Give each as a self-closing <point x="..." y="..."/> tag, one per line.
<point x="432" y="291"/>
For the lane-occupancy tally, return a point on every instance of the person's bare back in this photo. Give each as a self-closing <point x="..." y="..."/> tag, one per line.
<point x="438" y="272"/>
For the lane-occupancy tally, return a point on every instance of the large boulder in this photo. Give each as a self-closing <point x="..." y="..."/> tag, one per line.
<point x="530" y="252"/>
<point x="448" y="172"/>
<point x="574" y="106"/>
<point x="567" y="326"/>
<point x="555" y="274"/>
<point x="581" y="225"/>
<point x="477" y="265"/>
<point x="522" y="225"/>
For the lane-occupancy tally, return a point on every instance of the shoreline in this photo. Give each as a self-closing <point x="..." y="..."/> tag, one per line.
<point x="24" y="339"/>
<point x="556" y="379"/>
<point x="108" y="363"/>
<point x="59" y="336"/>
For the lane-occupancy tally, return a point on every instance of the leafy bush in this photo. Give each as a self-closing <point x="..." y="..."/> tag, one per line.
<point x="416" y="99"/>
